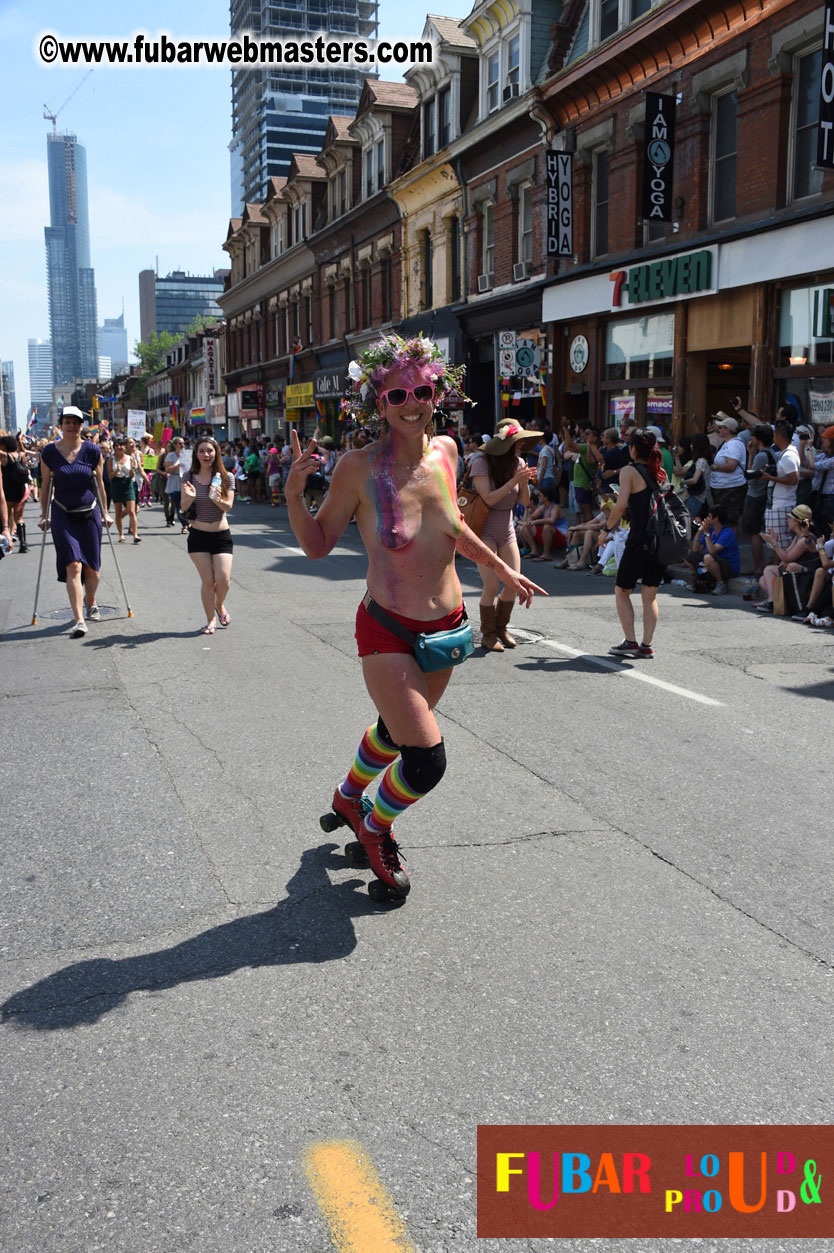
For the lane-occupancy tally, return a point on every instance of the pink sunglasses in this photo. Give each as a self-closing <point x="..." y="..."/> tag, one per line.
<point x="398" y="396"/>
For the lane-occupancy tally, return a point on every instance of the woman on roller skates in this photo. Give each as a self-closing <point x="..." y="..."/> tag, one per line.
<point x="402" y="490"/>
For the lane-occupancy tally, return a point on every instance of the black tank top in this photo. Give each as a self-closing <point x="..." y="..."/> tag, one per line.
<point x="639" y="503"/>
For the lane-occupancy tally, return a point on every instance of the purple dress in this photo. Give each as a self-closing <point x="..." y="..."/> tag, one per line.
<point x="75" y="539"/>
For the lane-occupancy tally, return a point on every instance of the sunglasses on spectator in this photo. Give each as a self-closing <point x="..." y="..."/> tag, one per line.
<point x="398" y="396"/>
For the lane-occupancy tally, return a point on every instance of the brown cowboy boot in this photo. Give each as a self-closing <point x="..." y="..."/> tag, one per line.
<point x="489" y="637"/>
<point x="502" y="617"/>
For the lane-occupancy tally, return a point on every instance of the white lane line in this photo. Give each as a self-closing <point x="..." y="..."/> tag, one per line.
<point x="639" y="675"/>
<point x="299" y="552"/>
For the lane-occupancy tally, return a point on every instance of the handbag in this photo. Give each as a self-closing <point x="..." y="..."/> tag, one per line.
<point x="434" y="650"/>
<point x="83" y="514"/>
<point x="472" y="505"/>
<point x="790" y="593"/>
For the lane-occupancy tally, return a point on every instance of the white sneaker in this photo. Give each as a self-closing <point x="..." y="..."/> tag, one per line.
<point x="93" y="613"/>
<point x="720" y="589"/>
<point x="80" y="628"/>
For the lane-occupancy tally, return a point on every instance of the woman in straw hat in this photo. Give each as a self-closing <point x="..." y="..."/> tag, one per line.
<point x="402" y="490"/>
<point x="502" y="479"/>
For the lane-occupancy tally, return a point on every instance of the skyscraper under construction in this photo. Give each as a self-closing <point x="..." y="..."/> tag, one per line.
<point x="73" y="317"/>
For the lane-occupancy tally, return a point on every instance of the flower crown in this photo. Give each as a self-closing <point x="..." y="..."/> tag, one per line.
<point x="392" y="352"/>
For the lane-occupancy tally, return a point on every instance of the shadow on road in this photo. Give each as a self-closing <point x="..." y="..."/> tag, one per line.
<point x="313" y="924"/>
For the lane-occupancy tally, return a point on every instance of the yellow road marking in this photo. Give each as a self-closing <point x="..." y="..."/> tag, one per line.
<point x="351" y="1195"/>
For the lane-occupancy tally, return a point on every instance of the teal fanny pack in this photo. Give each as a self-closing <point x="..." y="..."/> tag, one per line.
<point x="433" y="650"/>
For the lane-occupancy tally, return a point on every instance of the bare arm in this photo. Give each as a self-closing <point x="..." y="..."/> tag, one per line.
<point x="491" y="496"/>
<point x="626" y="483"/>
<point x="318" y="535"/>
<point x="468" y="545"/>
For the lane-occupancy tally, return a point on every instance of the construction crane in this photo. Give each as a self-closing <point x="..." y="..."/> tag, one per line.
<point x="53" y="116"/>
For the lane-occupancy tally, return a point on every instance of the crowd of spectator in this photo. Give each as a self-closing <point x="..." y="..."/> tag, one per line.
<point x="757" y="493"/>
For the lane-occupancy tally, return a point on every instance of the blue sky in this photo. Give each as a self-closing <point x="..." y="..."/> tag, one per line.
<point x="157" y="155"/>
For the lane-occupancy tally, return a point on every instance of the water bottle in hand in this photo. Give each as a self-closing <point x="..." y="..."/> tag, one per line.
<point x="214" y="489"/>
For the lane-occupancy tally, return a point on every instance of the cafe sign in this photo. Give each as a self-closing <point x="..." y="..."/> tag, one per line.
<point x="669" y="278"/>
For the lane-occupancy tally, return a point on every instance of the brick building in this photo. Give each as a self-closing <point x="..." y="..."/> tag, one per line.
<point x="635" y="322"/>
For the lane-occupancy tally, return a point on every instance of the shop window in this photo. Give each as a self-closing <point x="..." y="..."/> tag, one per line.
<point x="640" y="348"/>
<point x="599" y="204"/>
<point x="723" y="156"/>
<point x="806" y="326"/>
<point x="805" y="180"/>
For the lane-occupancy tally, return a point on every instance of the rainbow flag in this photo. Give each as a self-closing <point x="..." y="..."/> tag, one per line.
<point x="320" y="409"/>
<point x="198" y="413"/>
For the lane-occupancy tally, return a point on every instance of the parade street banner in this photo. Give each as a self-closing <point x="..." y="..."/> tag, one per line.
<point x="559" y="204"/>
<point x="825" y="133"/>
<point x="659" y="158"/>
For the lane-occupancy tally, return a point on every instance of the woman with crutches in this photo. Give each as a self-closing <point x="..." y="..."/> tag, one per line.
<point x="73" y="467"/>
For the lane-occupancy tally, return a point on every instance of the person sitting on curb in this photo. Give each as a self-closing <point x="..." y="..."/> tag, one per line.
<point x="586" y="534"/>
<point x="715" y="546"/>
<point x="542" y="526"/>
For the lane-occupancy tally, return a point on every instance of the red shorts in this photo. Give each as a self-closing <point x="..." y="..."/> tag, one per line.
<point x="372" y="637"/>
<point x="558" y="540"/>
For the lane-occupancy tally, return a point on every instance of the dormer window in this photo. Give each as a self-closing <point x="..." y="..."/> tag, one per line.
<point x="277" y="239"/>
<point x="380" y="165"/>
<point x="428" y="127"/>
<point x="299" y="222"/>
<point x="369" y="173"/>
<point x="444" y="117"/>
<point x="609" y="16"/>
<point x="341" y="191"/>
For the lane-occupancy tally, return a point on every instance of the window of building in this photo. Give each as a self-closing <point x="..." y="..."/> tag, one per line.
<point x="369" y="173"/>
<point x="724" y="150"/>
<point x="277" y="238"/>
<point x="380" y="165"/>
<point x="428" y="265"/>
<point x="640" y="348"/>
<point x="444" y="117"/>
<point x="341" y="191"/>
<point x="454" y="266"/>
<point x="599" y="204"/>
<point x="513" y="62"/>
<point x="639" y="7"/>
<point x="331" y="301"/>
<point x="348" y="303"/>
<point x="806" y="328"/>
<point x="805" y="115"/>
<point x="299" y="222"/>
<point x="366" y="295"/>
<point x="493" y="75"/>
<point x="308" y="304"/>
<point x="609" y="18"/>
<point x="428" y="127"/>
<point x="386" y="288"/>
<point x="488" y="231"/>
<point x="525" y="224"/>
<point x="286" y="329"/>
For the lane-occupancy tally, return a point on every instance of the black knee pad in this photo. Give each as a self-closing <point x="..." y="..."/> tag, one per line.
<point x="384" y="734"/>
<point x="423" y="768"/>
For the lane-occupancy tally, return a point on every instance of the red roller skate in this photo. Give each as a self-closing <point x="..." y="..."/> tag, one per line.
<point x="348" y="811"/>
<point x="382" y="851"/>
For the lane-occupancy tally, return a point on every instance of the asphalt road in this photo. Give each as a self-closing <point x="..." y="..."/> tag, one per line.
<point x="621" y="904"/>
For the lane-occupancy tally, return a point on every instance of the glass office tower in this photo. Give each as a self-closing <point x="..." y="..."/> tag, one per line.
<point x="71" y="281"/>
<point x="281" y="110"/>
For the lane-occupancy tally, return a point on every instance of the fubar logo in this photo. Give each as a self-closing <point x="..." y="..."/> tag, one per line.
<point x="651" y="1182"/>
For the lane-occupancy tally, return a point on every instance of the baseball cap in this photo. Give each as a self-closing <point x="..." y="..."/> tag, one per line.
<point x="71" y="411"/>
<point x="658" y="434"/>
<point x="723" y="419"/>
